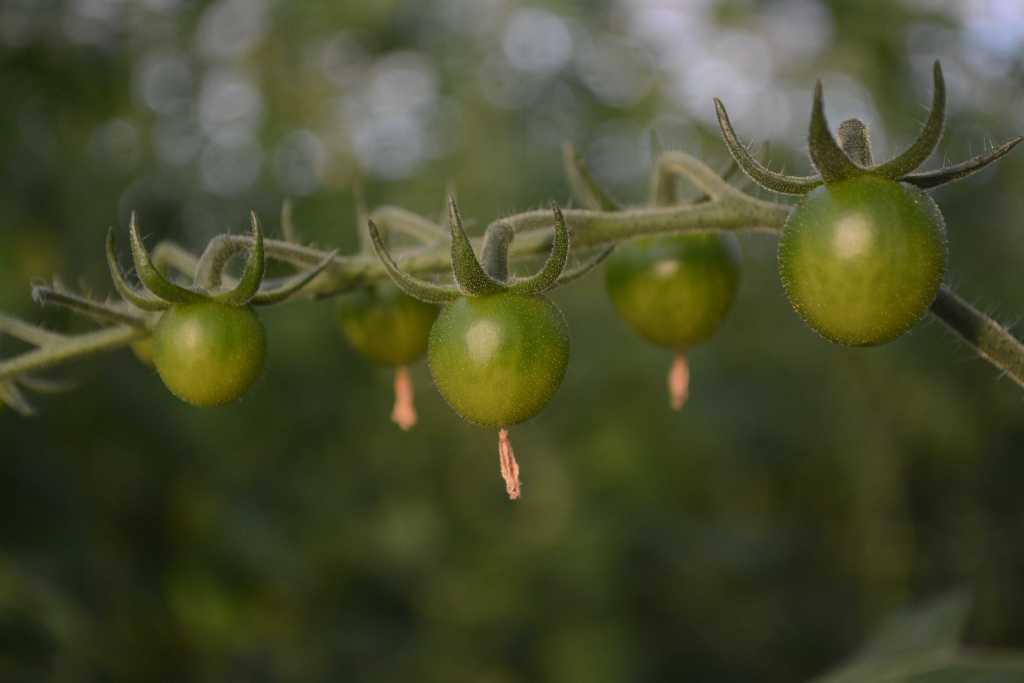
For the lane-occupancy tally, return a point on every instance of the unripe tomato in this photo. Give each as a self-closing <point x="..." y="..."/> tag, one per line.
<point x="674" y="290"/>
<point x="498" y="359"/>
<point x="386" y="325"/>
<point x="143" y="351"/>
<point x="862" y="259"/>
<point x="209" y="353"/>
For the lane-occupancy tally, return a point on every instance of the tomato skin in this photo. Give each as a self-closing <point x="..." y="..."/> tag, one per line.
<point x="209" y="353"/>
<point x="498" y="359"/>
<point x="143" y="351"/>
<point x="674" y="290"/>
<point x="861" y="260"/>
<point x="385" y="324"/>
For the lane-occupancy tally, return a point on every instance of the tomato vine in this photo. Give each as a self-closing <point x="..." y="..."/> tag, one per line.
<point x="839" y="297"/>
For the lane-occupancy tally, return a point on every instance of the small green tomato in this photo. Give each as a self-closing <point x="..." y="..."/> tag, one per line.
<point x="386" y="325"/>
<point x="861" y="260"/>
<point x="675" y="291"/>
<point x="499" y="348"/>
<point x="208" y="346"/>
<point x="498" y="359"/>
<point x="209" y="353"/>
<point x="863" y="254"/>
<point x="391" y="329"/>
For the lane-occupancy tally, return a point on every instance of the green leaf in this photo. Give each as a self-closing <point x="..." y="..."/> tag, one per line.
<point x="925" y="636"/>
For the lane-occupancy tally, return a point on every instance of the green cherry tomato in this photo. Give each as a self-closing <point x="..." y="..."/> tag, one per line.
<point x="498" y="359"/>
<point x="386" y="325"/>
<point x="861" y="260"/>
<point x="143" y="351"/>
<point x="209" y="353"/>
<point x="674" y="290"/>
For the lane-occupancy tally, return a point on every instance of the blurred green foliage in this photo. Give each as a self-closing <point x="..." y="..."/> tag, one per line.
<point x="806" y="491"/>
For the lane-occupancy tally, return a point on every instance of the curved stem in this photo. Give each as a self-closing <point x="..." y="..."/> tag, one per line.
<point x="494" y="257"/>
<point x="990" y="340"/>
<point x="168" y="255"/>
<point x="394" y="219"/>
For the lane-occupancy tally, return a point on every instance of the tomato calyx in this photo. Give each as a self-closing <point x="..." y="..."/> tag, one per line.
<point x="208" y="345"/>
<point x="850" y="157"/>
<point x="158" y="293"/>
<point x="475" y="277"/>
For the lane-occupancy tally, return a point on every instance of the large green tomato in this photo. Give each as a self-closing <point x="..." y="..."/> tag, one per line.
<point x="498" y="359"/>
<point x="386" y="325"/>
<point x="674" y="290"/>
<point x="209" y="353"/>
<point x="861" y="260"/>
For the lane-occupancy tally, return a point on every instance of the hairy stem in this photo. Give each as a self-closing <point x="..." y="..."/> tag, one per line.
<point x="97" y="310"/>
<point x="990" y="340"/>
<point x="33" y="334"/>
<point x="70" y="348"/>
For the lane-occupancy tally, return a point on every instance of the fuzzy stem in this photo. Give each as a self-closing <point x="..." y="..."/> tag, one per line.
<point x="97" y="310"/>
<point x="168" y="255"/>
<point x="494" y="257"/>
<point x="990" y="340"/>
<point x="26" y="332"/>
<point x="70" y="348"/>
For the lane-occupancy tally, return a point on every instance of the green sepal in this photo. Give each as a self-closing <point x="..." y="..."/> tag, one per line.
<point x="583" y="267"/>
<point x="931" y="133"/>
<point x="941" y="176"/>
<point x="830" y="160"/>
<point x="547" y="276"/>
<point x="139" y="299"/>
<point x="469" y="274"/>
<point x="755" y="170"/>
<point x="413" y="286"/>
<point x="12" y="396"/>
<point x="45" y="385"/>
<point x="154" y="281"/>
<point x="252" y="275"/>
<point x="292" y="285"/>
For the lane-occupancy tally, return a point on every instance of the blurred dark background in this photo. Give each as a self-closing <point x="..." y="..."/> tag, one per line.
<point x="806" y="491"/>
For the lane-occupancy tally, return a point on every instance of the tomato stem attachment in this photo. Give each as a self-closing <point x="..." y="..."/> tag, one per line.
<point x="509" y="466"/>
<point x="404" y="412"/>
<point x="678" y="382"/>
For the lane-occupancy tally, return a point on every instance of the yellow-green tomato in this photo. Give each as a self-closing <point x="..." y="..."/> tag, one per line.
<point x="386" y="325"/>
<point x="209" y="353"/>
<point x="498" y="359"/>
<point x="143" y="350"/>
<point x="861" y="260"/>
<point x="674" y="290"/>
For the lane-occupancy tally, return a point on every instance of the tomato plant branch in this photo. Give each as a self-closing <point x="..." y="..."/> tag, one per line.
<point x="721" y="207"/>
<point x="990" y="340"/>
<point x="26" y="332"/>
<point x="71" y="347"/>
